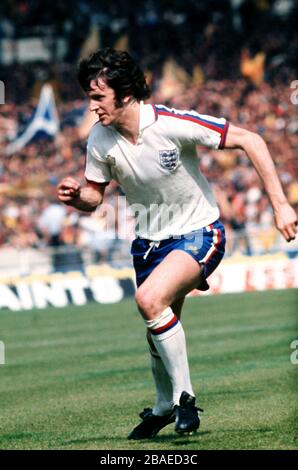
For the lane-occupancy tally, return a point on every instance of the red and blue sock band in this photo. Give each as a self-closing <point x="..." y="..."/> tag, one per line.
<point x="164" y="325"/>
<point x="168" y="326"/>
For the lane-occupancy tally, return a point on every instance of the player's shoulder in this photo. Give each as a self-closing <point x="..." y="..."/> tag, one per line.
<point x="186" y="116"/>
<point x="168" y="113"/>
<point x="174" y="119"/>
<point x="163" y="110"/>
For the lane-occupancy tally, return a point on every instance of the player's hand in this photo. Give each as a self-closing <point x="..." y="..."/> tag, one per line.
<point x="286" y="221"/>
<point x="68" y="190"/>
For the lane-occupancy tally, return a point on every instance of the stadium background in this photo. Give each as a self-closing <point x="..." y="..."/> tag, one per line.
<point x="231" y="58"/>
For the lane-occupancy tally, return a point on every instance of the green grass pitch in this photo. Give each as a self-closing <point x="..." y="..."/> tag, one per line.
<point x="76" y="378"/>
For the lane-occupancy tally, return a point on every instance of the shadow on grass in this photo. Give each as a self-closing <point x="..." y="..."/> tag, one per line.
<point x="20" y="435"/>
<point x="174" y="439"/>
<point x="178" y="440"/>
<point x="238" y="392"/>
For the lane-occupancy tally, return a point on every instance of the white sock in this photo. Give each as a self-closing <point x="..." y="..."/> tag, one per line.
<point x="168" y="337"/>
<point x="164" y="390"/>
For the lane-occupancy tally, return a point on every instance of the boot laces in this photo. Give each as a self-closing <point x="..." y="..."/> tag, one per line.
<point x="184" y="410"/>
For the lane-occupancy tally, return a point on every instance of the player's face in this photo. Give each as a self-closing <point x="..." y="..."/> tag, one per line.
<point x="103" y="103"/>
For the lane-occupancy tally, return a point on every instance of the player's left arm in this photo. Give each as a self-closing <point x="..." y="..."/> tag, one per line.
<point x="258" y="153"/>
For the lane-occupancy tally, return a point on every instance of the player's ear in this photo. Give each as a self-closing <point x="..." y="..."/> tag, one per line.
<point x="126" y="99"/>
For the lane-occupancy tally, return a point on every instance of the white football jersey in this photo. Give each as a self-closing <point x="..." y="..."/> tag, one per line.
<point x="159" y="175"/>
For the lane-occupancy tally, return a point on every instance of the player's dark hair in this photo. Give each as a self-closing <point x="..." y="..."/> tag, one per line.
<point x="119" y="70"/>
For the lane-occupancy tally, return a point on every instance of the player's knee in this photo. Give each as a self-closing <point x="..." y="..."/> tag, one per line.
<point x="145" y="302"/>
<point x="148" y="304"/>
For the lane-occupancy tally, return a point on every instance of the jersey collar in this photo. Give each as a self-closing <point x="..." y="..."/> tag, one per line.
<point x="148" y="115"/>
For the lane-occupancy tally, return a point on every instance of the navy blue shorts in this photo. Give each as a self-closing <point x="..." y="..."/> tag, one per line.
<point x="206" y="246"/>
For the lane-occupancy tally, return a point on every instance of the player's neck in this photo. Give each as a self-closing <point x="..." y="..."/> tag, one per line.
<point x="128" y="123"/>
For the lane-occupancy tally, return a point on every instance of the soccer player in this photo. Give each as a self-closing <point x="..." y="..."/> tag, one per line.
<point x="179" y="237"/>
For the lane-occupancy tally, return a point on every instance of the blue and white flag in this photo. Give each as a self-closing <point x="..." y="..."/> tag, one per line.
<point x="45" y="121"/>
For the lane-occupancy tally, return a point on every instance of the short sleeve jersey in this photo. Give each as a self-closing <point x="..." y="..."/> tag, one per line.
<point x="159" y="175"/>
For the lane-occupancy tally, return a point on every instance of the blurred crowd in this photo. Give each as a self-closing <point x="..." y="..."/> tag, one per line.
<point x="209" y="30"/>
<point x="28" y="178"/>
<point x="246" y="82"/>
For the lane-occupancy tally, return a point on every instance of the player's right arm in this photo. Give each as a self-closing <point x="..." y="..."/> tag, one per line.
<point x="85" y="198"/>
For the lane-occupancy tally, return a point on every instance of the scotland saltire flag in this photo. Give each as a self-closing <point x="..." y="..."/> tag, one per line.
<point x="45" y="121"/>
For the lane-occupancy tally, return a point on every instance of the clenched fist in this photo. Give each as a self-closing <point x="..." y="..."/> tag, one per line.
<point x="68" y="190"/>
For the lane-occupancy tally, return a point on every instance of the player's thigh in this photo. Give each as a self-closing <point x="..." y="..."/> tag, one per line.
<point x="172" y="279"/>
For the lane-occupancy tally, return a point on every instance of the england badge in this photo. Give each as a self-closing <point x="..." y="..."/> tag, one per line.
<point x="169" y="159"/>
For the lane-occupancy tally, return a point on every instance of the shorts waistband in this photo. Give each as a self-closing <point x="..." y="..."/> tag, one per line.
<point x="208" y="227"/>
